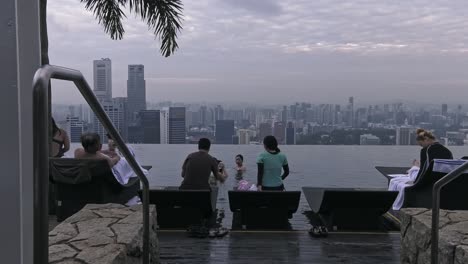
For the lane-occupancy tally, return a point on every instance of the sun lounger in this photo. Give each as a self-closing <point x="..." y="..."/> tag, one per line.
<point x="182" y="208"/>
<point x="349" y="208"/>
<point x="78" y="182"/>
<point x="387" y="171"/>
<point x="453" y="196"/>
<point x="265" y="209"/>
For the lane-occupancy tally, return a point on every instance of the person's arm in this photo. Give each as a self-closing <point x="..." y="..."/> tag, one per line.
<point x="285" y="172"/>
<point x="260" y="170"/>
<point x="184" y="168"/>
<point x="285" y="169"/>
<point x="66" y="142"/>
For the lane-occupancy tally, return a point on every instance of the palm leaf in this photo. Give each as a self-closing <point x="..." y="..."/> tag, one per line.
<point x="162" y="16"/>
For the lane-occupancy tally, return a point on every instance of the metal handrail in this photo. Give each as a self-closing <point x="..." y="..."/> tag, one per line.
<point x="436" y="208"/>
<point x="41" y="154"/>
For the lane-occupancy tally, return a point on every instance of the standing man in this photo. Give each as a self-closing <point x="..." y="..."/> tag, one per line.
<point x="199" y="165"/>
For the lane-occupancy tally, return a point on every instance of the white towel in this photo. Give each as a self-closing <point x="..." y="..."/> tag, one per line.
<point x="399" y="183"/>
<point x="123" y="171"/>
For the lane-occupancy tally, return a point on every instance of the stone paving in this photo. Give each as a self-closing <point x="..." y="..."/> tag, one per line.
<point x="102" y="234"/>
<point x="416" y="236"/>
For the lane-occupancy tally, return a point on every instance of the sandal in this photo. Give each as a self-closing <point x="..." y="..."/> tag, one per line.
<point x="323" y="231"/>
<point x="315" y="231"/>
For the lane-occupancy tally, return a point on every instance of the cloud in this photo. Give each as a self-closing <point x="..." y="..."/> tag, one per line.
<point x="256" y="44"/>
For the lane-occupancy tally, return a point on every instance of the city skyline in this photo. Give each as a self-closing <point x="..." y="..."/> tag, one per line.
<point x="281" y="51"/>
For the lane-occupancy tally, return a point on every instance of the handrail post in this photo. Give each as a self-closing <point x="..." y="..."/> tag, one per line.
<point x="41" y="155"/>
<point x="41" y="170"/>
<point x="436" y="208"/>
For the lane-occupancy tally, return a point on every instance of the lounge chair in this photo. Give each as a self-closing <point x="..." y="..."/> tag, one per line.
<point x="182" y="208"/>
<point x="453" y="196"/>
<point x="349" y="208"/>
<point x="78" y="182"/>
<point x="265" y="209"/>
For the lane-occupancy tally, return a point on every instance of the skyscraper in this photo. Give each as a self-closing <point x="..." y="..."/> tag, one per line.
<point x="244" y="136"/>
<point x="218" y="113"/>
<point x="116" y="111"/>
<point x="136" y="91"/>
<point x="149" y="121"/>
<point x="284" y="115"/>
<point x="164" y="126"/>
<point x="350" y="121"/>
<point x="103" y="79"/>
<point x="290" y="134"/>
<point x="444" y="109"/>
<point x="279" y="132"/>
<point x="264" y="130"/>
<point x="177" y="129"/>
<point x="203" y="116"/>
<point x="75" y="128"/>
<point x="224" y="131"/>
<point x="405" y="136"/>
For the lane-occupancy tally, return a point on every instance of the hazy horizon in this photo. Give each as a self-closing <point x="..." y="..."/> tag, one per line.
<point x="280" y="52"/>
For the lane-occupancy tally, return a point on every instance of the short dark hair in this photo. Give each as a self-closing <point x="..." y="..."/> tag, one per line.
<point x="204" y="144"/>
<point x="90" y="142"/>
<point x="240" y="157"/>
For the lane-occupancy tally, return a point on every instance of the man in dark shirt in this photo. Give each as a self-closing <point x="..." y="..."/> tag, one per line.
<point x="198" y="166"/>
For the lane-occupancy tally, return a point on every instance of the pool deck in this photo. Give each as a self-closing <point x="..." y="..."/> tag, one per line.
<point x="280" y="247"/>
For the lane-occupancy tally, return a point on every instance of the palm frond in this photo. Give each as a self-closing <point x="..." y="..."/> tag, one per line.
<point x="164" y="17"/>
<point x="109" y="14"/>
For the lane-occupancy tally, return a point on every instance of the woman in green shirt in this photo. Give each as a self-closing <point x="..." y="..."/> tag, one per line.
<point x="272" y="166"/>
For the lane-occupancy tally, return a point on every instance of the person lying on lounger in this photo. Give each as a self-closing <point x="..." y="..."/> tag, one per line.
<point x="431" y="149"/>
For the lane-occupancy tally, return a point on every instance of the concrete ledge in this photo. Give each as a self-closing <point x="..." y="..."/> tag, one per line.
<point x="103" y="234"/>
<point x="416" y="236"/>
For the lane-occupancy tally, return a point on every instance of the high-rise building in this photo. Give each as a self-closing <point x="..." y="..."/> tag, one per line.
<point x="136" y="91"/>
<point x="75" y="129"/>
<point x="177" y="128"/>
<point x="224" y="131"/>
<point x="244" y="136"/>
<point x="116" y="111"/>
<point x="405" y="135"/>
<point x="284" y="115"/>
<point x="350" y="121"/>
<point x="290" y="134"/>
<point x="149" y="122"/>
<point x="164" y="126"/>
<point x="103" y="79"/>
<point x="203" y="116"/>
<point x="218" y="113"/>
<point x="279" y="131"/>
<point x="264" y="130"/>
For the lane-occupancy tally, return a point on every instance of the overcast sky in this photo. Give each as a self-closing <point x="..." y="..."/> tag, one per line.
<point x="280" y="51"/>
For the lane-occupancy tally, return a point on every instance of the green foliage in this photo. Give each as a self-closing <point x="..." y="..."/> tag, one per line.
<point x="164" y="17"/>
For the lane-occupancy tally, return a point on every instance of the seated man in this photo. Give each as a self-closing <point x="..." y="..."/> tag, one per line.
<point x="92" y="146"/>
<point x="198" y="166"/>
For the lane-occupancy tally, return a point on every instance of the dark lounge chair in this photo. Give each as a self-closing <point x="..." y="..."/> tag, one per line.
<point x="349" y="208"/>
<point x="78" y="182"/>
<point x="265" y="209"/>
<point x="453" y="196"/>
<point x="182" y="208"/>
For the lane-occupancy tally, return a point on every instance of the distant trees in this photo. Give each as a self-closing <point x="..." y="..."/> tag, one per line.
<point x="347" y="137"/>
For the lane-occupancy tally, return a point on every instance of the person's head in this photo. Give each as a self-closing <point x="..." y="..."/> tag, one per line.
<point x="424" y="137"/>
<point x="204" y="144"/>
<point x="271" y="144"/>
<point x="239" y="160"/>
<point x="91" y="142"/>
